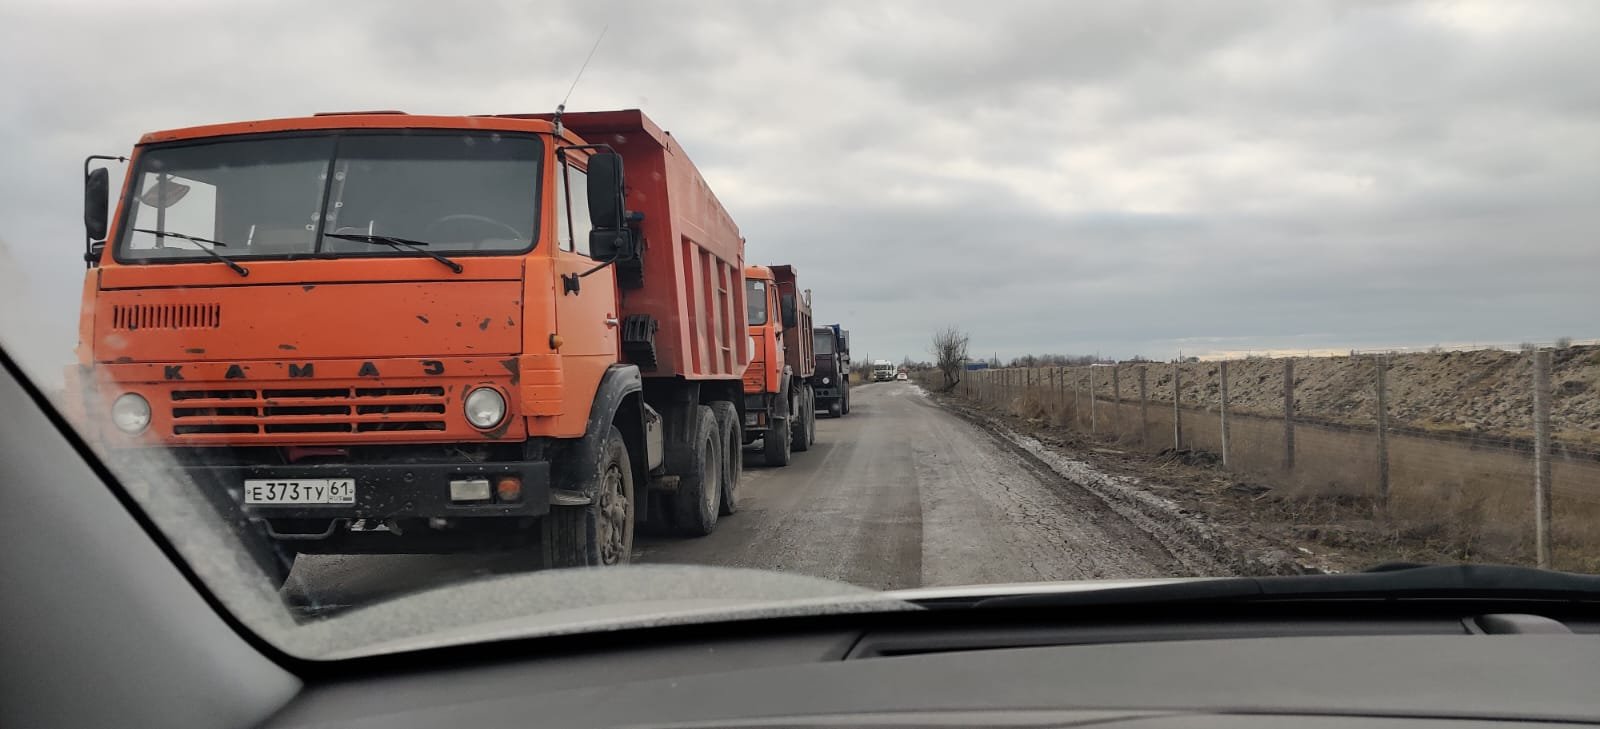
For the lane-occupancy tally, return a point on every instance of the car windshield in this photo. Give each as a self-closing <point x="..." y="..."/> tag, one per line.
<point x="411" y="328"/>
<point x="272" y="196"/>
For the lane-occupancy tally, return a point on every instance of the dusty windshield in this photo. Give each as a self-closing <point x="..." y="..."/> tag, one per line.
<point x="755" y="299"/>
<point x="1177" y="291"/>
<point x="291" y="196"/>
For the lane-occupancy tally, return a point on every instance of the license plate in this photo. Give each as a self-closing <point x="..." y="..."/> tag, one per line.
<point x="300" y="491"/>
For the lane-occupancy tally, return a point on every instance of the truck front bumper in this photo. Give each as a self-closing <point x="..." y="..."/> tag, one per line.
<point x="388" y="491"/>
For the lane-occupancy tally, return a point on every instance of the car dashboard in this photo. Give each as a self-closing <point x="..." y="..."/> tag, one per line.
<point x="1417" y="668"/>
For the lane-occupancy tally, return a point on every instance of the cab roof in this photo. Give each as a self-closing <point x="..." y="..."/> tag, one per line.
<point x="591" y="124"/>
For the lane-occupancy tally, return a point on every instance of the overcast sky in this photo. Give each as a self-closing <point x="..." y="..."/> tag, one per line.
<point x="1115" y="177"/>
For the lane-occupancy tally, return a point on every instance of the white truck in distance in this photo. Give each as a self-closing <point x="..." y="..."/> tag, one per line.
<point x="882" y="370"/>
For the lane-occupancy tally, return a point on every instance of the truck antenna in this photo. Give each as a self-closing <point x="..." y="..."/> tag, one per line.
<point x="561" y="107"/>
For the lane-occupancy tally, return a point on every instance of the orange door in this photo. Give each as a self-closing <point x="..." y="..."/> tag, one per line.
<point x="586" y="319"/>
<point x="586" y="308"/>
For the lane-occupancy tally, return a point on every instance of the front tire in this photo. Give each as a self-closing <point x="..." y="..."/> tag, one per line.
<point x="698" y="500"/>
<point x="599" y="533"/>
<point x="733" y="457"/>
<point x="775" y="444"/>
<point x="803" y="422"/>
<point x="811" y="414"/>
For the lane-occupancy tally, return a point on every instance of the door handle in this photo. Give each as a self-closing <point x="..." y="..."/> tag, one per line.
<point x="612" y="322"/>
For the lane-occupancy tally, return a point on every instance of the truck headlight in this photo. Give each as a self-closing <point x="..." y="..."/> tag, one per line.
<point x="131" y="413"/>
<point x="485" y="407"/>
<point x="825" y="380"/>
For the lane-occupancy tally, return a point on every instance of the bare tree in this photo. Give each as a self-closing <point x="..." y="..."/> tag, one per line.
<point x="950" y="354"/>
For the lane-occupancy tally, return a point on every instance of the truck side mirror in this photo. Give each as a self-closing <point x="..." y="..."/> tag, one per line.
<point x="610" y="238"/>
<point x="96" y="202"/>
<point x="605" y="191"/>
<point x="786" y="307"/>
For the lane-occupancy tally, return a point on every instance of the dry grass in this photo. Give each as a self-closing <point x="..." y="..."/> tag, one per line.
<point x="1449" y="500"/>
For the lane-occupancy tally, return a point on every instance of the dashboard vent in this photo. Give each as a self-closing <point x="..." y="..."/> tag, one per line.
<point x="133" y="317"/>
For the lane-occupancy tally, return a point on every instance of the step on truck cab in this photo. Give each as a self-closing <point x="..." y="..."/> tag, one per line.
<point x="779" y="404"/>
<point x="379" y="332"/>
<point x="832" y="388"/>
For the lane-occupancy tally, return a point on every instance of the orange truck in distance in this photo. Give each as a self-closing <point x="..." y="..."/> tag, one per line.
<point x="380" y="332"/>
<point x="779" y="402"/>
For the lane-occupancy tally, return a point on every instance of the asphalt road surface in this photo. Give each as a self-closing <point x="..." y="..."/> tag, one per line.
<point x="899" y="493"/>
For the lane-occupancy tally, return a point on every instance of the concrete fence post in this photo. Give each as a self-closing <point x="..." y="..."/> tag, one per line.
<point x="1144" y="410"/>
<point x="1094" y="420"/>
<point x="1222" y="407"/>
<point x="1381" y="367"/>
<point x="1541" y="457"/>
<point x="1288" y="415"/>
<point x="1116" y="401"/>
<point x="1061" y="389"/>
<point x="1077" y="404"/>
<point x="1050" y="394"/>
<point x="1177" y="407"/>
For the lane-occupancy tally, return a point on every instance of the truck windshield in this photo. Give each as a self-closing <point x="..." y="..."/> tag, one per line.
<point x="277" y="196"/>
<point x="824" y="342"/>
<point x="755" y="296"/>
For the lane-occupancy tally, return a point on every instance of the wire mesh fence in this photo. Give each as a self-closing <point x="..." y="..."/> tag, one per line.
<point x="1447" y="446"/>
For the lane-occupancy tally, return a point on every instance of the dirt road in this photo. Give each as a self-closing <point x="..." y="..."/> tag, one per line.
<point x="900" y="493"/>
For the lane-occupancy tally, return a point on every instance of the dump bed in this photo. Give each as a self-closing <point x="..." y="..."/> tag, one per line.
<point x="693" y="280"/>
<point x="799" y="349"/>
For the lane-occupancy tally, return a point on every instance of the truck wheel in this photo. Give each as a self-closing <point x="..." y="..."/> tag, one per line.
<point x="811" y="412"/>
<point x="804" y="422"/>
<point x="599" y="533"/>
<point x="775" y="444"/>
<point x="845" y="399"/>
<point x="733" y="457"/>
<point x="698" y="500"/>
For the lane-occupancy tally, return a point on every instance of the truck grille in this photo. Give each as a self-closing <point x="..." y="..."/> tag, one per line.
<point x="307" y="410"/>
<point x="132" y="317"/>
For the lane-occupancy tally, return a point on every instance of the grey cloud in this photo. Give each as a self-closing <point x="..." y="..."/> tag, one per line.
<point x="1130" y="178"/>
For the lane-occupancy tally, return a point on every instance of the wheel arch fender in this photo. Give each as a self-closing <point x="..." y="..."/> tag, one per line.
<point x="617" y="401"/>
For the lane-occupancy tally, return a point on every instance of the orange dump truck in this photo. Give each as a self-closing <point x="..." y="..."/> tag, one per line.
<point x="380" y="332"/>
<point x="779" y="403"/>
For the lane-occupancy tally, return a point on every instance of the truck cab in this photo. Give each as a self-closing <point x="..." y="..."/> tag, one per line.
<point x="779" y="403"/>
<point x="380" y="332"/>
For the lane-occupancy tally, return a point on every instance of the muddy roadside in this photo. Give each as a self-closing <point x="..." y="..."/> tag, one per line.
<point x="1253" y="527"/>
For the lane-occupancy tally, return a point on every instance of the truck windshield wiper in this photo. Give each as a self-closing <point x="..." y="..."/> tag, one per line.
<point x="207" y="245"/>
<point x="394" y="242"/>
